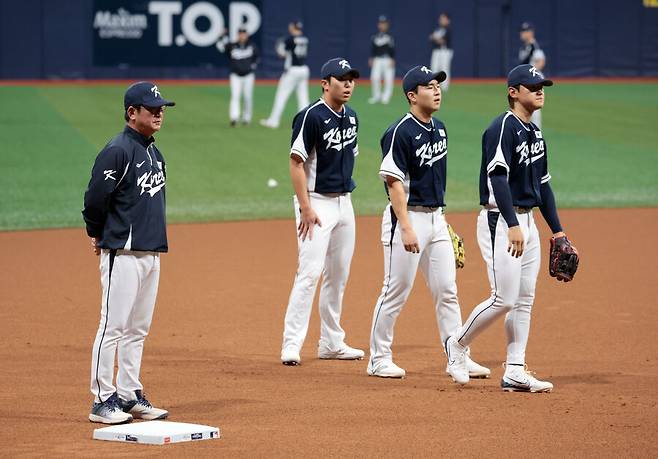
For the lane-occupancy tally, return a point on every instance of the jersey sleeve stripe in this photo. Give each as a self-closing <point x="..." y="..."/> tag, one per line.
<point x="388" y="167"/>
<point x="546" y="178"/>
<point x="499" y="157"/>
<point x="298" y="146"/>
<point x="386" y="173"/>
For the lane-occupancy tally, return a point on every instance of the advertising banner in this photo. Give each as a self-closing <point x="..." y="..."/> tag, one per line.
<point x="167" y="33"/>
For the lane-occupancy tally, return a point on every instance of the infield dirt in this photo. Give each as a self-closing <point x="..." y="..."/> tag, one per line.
<point x="213" y="353"/>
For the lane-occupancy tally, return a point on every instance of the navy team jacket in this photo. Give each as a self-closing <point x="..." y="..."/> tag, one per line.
<point x="124" y="205"/>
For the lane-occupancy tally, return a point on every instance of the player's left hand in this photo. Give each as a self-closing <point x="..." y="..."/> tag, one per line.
<point x="563" y="258"/>
<point x="457" y="247"/>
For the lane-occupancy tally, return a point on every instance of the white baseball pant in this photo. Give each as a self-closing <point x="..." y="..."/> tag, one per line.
<point x="295" y="77"/>
<point x="129" y="283"/>
<point x="442" y="60"/>
<point x="437" y="262"/>
<point x="241" y="87"/>
<point x="329" y="254"/>
<point x="512" y="282"/>
<point x="382" y="67"/>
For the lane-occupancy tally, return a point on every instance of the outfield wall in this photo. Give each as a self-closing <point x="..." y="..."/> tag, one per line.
<point x="53" y="39"/>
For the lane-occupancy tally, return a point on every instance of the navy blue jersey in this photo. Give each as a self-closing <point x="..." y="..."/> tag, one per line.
<point x="326" y="142"/>
<point x="416" y="154"/>
<point x="382" y="45"/>
<point x="531" y="53"/>
<point x="519" y="149"/>
<point x="443" y="34"/>
<point x="124" y="205"/>
<point x="244" y="57"/>
<point x="296" y="50"/>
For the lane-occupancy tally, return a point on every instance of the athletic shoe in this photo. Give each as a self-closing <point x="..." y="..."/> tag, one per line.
<point x="233" y="123"/>
<point x="385" y="369"/>
<point x="109" y="412"/>
<point x="373" y="100"/>
<point x="519" y="379"/>
<point x="475" y="370"/>
<point x="290" y="356"/>
<point x="141" y="408"/>
<point x="456" y="354"/>
<point x="269" y="124"/>
<point x="343" y="353"/>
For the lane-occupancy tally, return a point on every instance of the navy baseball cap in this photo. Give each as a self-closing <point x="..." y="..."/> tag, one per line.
<point x="298" y="24"/>
<point x="338" y="67"/>
<point x="144" y="93"/>
<point x="383" y="18"/>
<point x="526" y="74"/>
<point x="420" y="75"/>
<point x="527" y="26"/>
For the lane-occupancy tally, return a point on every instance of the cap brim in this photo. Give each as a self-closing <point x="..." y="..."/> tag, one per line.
<point x="547" y="82"/>
<point x="159" y="103"/>
<point x="440" y="76"/>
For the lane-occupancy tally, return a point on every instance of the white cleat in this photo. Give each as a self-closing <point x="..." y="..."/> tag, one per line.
<point x="475" y="370"/>
<point x="519" y="379"/>
<point x="269" y="124"/>
<point x="343" y="353"/>
<point x="290" y="357"/>
<point x="373" y="100"/>
<point x="456" y="354"/>
<point x="386" y="369"/>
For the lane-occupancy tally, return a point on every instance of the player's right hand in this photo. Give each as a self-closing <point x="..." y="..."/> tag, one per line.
<point x="94" y="244"/>
<point x="410" y="240"/>
<point x="307" y="220"/>
<point x="516" y="242"/>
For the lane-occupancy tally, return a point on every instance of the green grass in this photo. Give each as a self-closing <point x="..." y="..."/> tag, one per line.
<point x="602" y="140"/>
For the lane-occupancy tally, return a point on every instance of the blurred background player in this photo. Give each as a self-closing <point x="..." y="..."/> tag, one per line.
<point x="322" y="157"/>
<point x="294" y="50"/>
<point x="531" y="53"/>
<point x="441" y="40"/>
<point x="382" y="62"/>
<point x="244" y="58"/>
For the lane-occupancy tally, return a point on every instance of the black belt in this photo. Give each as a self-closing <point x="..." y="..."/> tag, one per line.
<point x="426" y="209"/>
<point x="522" y="210"/>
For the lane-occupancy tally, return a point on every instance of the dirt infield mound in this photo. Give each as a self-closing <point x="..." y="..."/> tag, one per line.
<point x="212" y="356"/>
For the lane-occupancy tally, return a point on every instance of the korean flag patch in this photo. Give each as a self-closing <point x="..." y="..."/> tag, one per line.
<point x="442" y="132"/>
<point x="352" y="120"/>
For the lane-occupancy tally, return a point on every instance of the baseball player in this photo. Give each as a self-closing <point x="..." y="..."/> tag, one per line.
<point x="124" y="211"/>
<point x="442" y="53"/>
<point x="414" y="229"/>
<point x="514" y="179"/>
<point x="531" y="53"/>
<point x="244" y="58"/>
<point x="324" y="147"/>
<point x="295" y="75"/>
<point x="382" y="62"/>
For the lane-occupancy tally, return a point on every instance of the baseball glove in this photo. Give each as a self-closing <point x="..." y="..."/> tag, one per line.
<point x="458" y="248"/>
<point x="563" y="259"/>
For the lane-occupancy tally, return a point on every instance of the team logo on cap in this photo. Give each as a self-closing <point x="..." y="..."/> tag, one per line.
<point x="155" y="91"/>
<point x="535" y="72"/>
<point x="425" y="69"/>
<point x="344" y="64"/>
